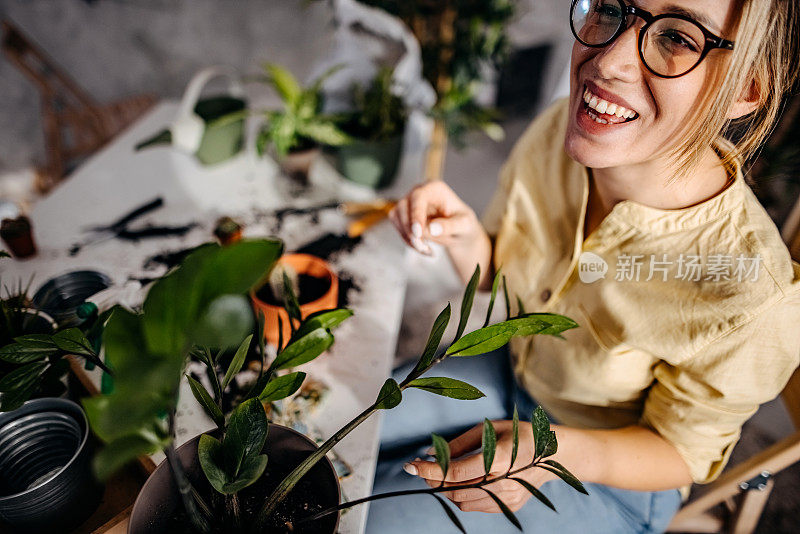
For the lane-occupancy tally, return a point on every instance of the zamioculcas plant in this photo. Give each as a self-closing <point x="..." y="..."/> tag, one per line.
<point x="477" y="342"/>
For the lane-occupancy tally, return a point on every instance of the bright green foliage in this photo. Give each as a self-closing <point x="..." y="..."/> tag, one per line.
<point x="447" y="387"/>
<point x="442" y="449"/>
<point x="488" y="445"/>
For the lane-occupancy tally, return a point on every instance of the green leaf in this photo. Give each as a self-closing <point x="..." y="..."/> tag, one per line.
<point x="503" y="508"/>
<point x="488" y="445"/>
<point x="209" y="452"/>
<point x="22" y="377"/>
<point x="541" y="323"/>
<point x="237" y="362"/>
<point x="226" y="320"/>
<point x="290" y="299"/>
<point x="466" y="302"/>
<point x="119" y="452"/>
<point x="434" y="339"/>
<point x="508" y="301"/>
<point x="73" y="341"/>
<point x="482" y="340"/>
<point x="551" y="444"/>
<point x="447" y="387"/>
<point x="324" y="133"/>
<point x="514" y="437"/>
<point x="389" y="395"/>
<point x="205" y="400"/>
<point x="495" y="284"/>
<point x="252" y="469"/>
<point x="36" y="340"/>
<point x="535" y="492"/>
<point x="282" y="386"/>
<point x="19" y="353"/>
<point x="450" y="514"/>
<point x="520" y="306"/>
<point x="326" y="319"/>
<point x="284" y="82"/>
<point x="303" y="350"/>
<point x="564" y="475"/>
<point x="541" y="430"/>
<point x="245" y="435"/>
<point x="442" y="453"/>
<point x="16" y="398"/>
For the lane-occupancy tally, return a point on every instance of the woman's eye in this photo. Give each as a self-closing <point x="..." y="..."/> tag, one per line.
<point x="679" y="39"/>
<point x="608" y="10"/>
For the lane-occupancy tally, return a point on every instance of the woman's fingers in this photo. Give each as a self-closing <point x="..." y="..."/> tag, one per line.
<point x="513" y="501"/>
<point x="400" y="216"/>
<point x="459" y="471"/>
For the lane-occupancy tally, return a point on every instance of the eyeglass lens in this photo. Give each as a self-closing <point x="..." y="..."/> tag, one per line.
<point x="669" y="47"/>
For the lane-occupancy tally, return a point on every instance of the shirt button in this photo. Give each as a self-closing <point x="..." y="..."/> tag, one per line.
<point x="546" y="294"/>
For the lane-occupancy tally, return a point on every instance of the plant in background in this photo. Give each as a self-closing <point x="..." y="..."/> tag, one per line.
<point x="379" y="114"/>
<point x="301" y="124"/>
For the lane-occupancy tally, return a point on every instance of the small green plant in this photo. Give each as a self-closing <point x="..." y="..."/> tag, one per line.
<point x="379" y="114"/>
<point x="301" y="124"/>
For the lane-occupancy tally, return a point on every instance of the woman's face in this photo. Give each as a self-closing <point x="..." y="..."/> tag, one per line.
<point x="654" y="110"/>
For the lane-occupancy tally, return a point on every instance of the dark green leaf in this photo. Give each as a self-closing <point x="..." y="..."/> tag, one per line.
<point x="508" y="301"/>
<point x="237" y="362"/>
<point x="488" y="445"/>
<point x="73" y="341"/>
<point x="327" y="320"/>
<point x="19" y="353"/>
<point x="209" y="452"/>
<point x="466" y="302"/>
<point x="252" y="469"/>
<point x="514" y="437"/>
<point x="303" y="350"/>
<point x="442" y="453"/>
<point x="290" y="299"/>
<point x="482" y="340"/>
<point x="551" y="444"/>
<point x="389" y="395"/>
<point x="541" y="323"/>
<point x="447" y="387"/>
<point x="495" y="284"/>
<point x="503" y="508"/>
<point x="16" y="398"/>
<point x="36" y="340"/>
<point x="450" y="514"/>
<point x="564" y="475"/>
<point x="22" y="377"/>
<point x="541" y="430"/>
<point x="535" y="492"/>
<point x="520" y="306"/>
<point x="205" y="400"/>
<point x="434" y="339"/>
<point x="121" y="451"/>
<point x="245" y="435"/>
<point x="282" y="386"/>
<point x="226" y="320"/>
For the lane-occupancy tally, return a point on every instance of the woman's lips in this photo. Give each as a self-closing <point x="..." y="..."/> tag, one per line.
<point x="605" y="112"/>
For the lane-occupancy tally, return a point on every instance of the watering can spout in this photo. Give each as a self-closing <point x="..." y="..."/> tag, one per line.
<point x="164" y="137"/>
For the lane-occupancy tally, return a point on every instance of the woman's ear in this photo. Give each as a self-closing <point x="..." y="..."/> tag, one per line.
<point x="747" y="103"/>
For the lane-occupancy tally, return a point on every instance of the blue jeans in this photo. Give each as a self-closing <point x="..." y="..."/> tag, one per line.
<point x="406" y="433"/>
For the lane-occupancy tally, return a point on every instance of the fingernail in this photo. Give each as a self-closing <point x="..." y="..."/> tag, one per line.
<point x="435" y="229"/>
<point x="411" y="469"/>
<point x="416" y="229"/>
<point x="420" y="245"/>
<point x="430" y="451"/>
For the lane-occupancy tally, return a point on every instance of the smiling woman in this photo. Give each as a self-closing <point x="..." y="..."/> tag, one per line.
<point x="691" y="321"/>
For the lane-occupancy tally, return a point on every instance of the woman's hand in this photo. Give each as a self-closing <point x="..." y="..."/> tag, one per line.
<point x="433" y="212"/>
<point x="466" y="468"/>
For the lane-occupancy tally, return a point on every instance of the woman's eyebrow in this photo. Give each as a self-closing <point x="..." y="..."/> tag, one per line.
<point x="696" y="15"/>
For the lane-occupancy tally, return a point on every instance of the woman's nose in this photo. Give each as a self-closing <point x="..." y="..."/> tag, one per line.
<point x="620" y="59"/>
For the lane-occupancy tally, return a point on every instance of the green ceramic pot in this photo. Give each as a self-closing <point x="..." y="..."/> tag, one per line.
<point x="370" y="163"/>
<point x="225" y="140"/>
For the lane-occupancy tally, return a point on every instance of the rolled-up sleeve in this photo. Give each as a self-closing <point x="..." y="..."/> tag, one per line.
<point x="701" y="403"/>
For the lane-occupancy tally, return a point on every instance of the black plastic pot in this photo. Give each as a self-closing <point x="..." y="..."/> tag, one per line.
<point x="159" y="501"/>
<point x="46" y="482"/>
<point x="61" y="296"/>
<point x="370" y="163"/>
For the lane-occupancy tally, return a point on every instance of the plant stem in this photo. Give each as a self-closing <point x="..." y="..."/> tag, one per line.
<point x="233" y="510"/>
<point x="196" y="508"/>
<point x="427" y="491"/>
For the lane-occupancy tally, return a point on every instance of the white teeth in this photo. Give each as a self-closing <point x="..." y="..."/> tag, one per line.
<point x="606" y="107"/>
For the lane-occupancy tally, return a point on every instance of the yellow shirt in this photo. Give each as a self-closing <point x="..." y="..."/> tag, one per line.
<point x="689" y="318"/>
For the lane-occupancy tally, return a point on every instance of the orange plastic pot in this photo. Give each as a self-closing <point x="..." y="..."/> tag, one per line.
<point x="302" y="264"/>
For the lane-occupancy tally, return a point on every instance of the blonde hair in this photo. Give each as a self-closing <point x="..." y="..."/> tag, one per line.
<point x="764" y="63"/>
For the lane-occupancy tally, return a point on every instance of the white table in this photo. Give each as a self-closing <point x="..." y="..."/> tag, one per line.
<point x="117" y="180"/>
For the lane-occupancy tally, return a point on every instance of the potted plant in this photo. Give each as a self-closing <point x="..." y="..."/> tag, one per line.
<point x="302" y="283"/>
<point x="297" y="131"/>
<point x="376" y="127"/>
<point x="201" y="304"/>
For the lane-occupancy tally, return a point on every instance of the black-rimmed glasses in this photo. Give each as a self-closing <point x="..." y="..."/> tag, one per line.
<point x="670" y="45"/>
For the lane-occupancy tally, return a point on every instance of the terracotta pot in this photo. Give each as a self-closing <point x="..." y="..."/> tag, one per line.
<point x="18" y="236"/>
<point x="302" y="264"/>
<point x="159" y="499"/>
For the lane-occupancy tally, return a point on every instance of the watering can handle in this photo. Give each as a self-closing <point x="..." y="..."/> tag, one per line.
<point x="187" y="129"/>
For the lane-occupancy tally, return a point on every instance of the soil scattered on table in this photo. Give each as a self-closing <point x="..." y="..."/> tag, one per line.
<point x="346" y="283"/>
<point x="330" y="245"/>
<point x="168" y="259"/>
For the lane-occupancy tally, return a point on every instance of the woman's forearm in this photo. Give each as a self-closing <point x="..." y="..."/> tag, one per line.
<point x="633" y="458"/>
<point x="464" y="255"/>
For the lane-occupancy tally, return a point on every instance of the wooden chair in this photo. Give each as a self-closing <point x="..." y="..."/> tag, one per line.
<point x="734" y="502"/>
<point x="74" y="124"/>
